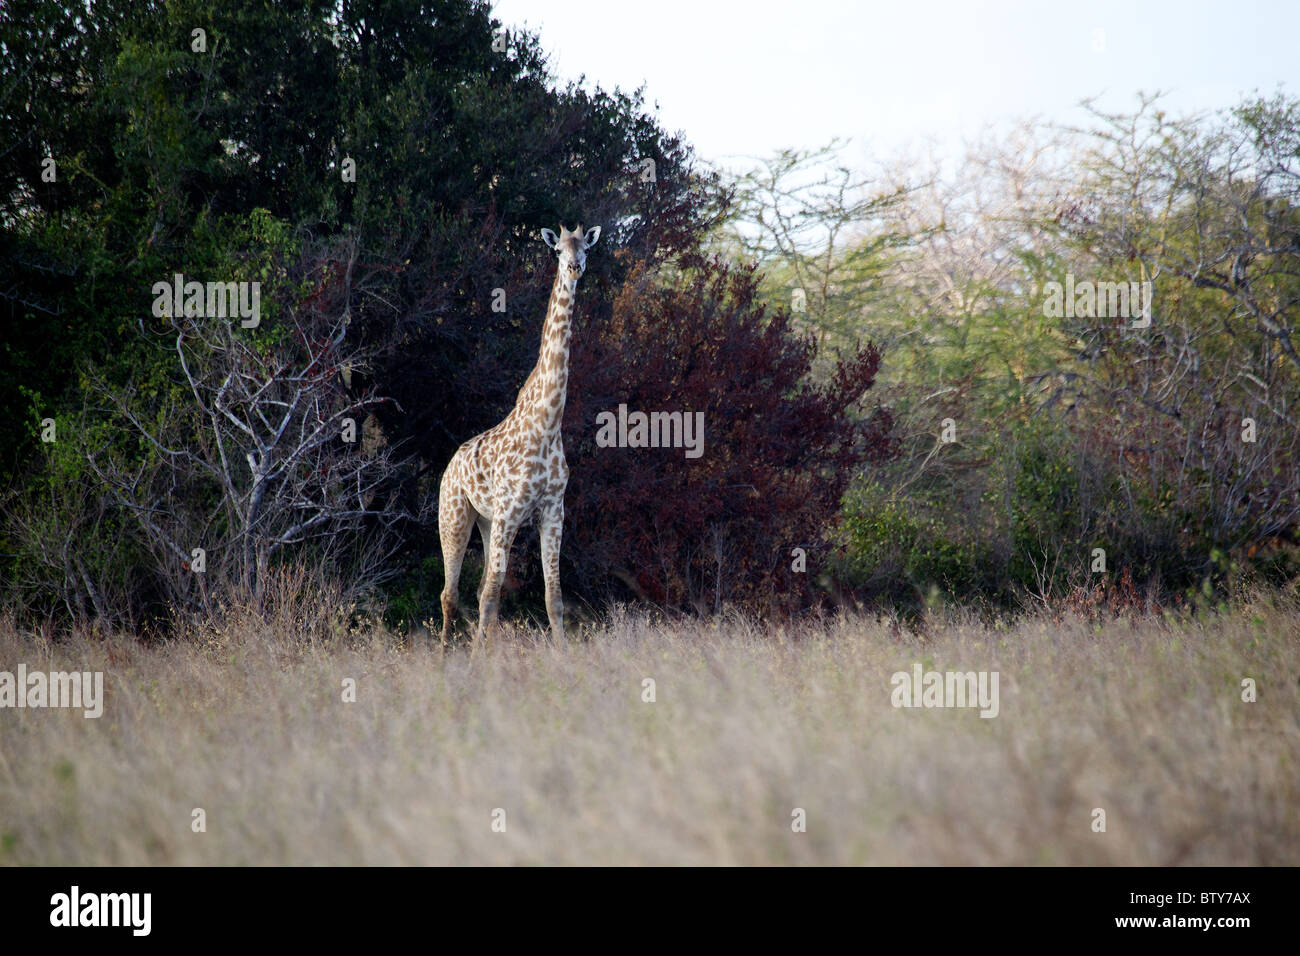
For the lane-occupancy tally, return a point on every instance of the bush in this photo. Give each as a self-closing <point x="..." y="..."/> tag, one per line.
<point x="778" y="451"/>
<point x="904" y="551"/>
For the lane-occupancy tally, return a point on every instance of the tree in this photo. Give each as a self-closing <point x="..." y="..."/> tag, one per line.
<point x="821" y="231"/>
<point x="1200" y="406"/>
<point x="463" y="147"/>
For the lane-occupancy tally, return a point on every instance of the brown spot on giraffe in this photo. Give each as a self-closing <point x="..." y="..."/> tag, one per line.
<point x="500" y="478"/>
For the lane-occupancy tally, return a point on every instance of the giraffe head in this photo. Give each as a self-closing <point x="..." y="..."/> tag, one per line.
<point x="572" y="248"/>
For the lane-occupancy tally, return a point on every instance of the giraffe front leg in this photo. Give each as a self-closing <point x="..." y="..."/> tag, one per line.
<point x="494" y="575"/>
<point x="485" y="538"/>
<point x="551" y="530"/>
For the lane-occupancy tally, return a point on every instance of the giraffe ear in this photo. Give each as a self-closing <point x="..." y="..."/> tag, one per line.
<point x="592" y="235"/>
<point x="550" y="238"/>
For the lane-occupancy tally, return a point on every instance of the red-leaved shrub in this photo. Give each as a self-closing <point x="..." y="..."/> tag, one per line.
<point x="722" y="528"/>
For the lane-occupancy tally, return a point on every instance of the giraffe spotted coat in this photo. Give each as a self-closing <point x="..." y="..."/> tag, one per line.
<point x="499" y="479"/>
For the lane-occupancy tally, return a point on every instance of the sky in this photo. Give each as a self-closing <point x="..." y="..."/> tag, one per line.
<point x="747" y="78"/>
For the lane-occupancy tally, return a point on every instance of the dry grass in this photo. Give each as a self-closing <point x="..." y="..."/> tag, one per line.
<point x="1142" y="719"/>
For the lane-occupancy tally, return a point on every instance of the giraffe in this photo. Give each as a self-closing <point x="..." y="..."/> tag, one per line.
<point x="500" y="478"/>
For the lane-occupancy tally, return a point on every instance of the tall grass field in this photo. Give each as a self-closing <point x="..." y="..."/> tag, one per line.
<point x="1117" y="741"/>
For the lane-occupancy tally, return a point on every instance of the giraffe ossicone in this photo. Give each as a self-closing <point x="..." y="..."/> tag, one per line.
<point x="499" y="479"/>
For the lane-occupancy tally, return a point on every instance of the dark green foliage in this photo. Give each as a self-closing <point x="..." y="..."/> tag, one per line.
<point x="173" y="160"/>
<point x="900" y="552"/>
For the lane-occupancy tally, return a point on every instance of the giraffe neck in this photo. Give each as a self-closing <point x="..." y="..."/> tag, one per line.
<point x="552" y="369"/>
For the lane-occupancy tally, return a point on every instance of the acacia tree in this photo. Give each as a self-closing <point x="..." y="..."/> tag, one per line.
<point x="1202" y="406"/>
<point x="956" y="315"/>
<point x="823" y="232"/>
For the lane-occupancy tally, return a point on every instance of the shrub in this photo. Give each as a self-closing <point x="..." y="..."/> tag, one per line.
<point x="779" y="450"/>
<point x="902" y="551"/>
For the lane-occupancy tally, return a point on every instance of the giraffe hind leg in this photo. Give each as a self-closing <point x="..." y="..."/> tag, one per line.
<point x="455" y="522"/>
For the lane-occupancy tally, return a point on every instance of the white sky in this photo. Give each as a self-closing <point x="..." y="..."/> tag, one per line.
<point x="746" y="78"/>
